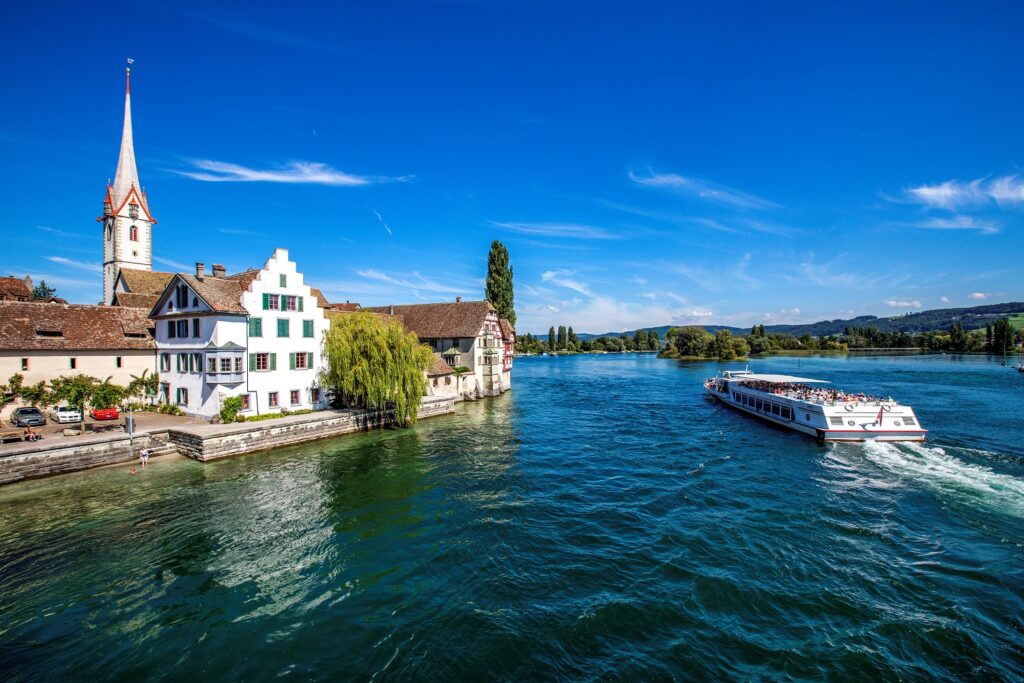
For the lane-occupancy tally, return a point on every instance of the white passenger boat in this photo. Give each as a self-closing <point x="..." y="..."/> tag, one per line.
<point x="806" y="406"/>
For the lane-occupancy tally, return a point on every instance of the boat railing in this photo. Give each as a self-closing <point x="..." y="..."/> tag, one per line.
<point x="850" y="400"/>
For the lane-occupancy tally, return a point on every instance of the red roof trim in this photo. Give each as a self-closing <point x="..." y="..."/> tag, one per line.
<point x="142" y="203"/>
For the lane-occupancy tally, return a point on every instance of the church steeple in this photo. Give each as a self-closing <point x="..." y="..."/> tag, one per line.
<point x="127" y="175"/>
<point x="127" y="223"/>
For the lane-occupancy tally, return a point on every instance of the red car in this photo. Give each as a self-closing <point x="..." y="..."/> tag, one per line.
<point x="104" y="414"/>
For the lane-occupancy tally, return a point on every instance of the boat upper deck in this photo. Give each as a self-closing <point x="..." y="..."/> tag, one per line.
<point x="800" y="389"/>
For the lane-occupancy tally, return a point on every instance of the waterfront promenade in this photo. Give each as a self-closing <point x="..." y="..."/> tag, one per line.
<point x="201" y="441"/>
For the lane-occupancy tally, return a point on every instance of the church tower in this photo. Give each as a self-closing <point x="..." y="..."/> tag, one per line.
<point x="127" y="223"/>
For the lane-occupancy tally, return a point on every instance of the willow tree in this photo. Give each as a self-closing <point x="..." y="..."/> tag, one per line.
<point x="372" y="362"/>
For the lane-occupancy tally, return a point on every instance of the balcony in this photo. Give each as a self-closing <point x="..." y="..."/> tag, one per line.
<point x="225" y="377"/>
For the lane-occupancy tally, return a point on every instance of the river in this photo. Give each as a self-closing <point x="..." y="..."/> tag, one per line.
<point x="603" y="519"/>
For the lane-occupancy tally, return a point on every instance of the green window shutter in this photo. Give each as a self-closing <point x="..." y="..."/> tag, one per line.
<point x="266" y="302"/>
<point x="252" y="362"/>
<point x="273" y="361"/>
<point x="282" y="327"/>
<point x="284" y="280"/>
<point x="300" y="303"/>
<point x="309" y="360"/>
<point x="255" y="327"/>
<point x="307" y="328"/>
<point x="291" y="361"/>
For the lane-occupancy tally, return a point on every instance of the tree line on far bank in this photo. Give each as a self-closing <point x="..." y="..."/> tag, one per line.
<point x="565" y="340"/>
<point x="697" y="342"/>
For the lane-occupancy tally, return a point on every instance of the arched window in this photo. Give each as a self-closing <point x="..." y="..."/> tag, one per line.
<point x="133" y="233"/>
<point x="110" y="232"/>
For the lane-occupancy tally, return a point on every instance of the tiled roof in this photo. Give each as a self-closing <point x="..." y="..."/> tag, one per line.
<point x="321" y="300"/>
<point x="440" y="367"/>
<point x="145" y="281"/>
<point x="433" y="321"/>
<point x="347" y="306"/>
<point x="507" y="331"/>
<point x="27" y="326"/>
<point x="224" y="295"/>
<point x="14" y="289"/>
<point x="245" y="278"/>
<point x="133" y="300"/>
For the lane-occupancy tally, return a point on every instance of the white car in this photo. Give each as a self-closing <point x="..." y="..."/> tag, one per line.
<point x="65" y="414"/>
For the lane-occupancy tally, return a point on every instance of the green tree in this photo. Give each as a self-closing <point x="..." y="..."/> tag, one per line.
<point x="692" y="342"/>
<point x="721" y="346"/>
<point x="563" y="338"/>
<point x="76" y="391"/>
<point x="739" y="347"/>
<point x="957" y="337"/>
<point x="499" y="288"/>
<point x="42" y="292"/>
<point x="106" y="394"/>
<point x="551" y="338"/>
<point x="374" y="363"/>
<point x="143" y="386"/>
<point x="1002" y="336"/>
<point x="36" y="395"/>
<point x="640" y="340"/>
<point x="574" y="340"/>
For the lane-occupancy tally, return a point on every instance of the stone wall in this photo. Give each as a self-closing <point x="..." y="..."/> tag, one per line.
<point x="220" y="441"/>
<point x="42" y="458"/>
<point x="201" y="442"/>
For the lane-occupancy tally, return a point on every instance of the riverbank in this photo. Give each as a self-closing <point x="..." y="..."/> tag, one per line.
<point x="199" y="441"/>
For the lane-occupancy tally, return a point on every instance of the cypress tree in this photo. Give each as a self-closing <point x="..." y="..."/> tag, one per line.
<point x="563" y="338"/>
<point x="551" y="338"/>
<point x="499" y="290"/>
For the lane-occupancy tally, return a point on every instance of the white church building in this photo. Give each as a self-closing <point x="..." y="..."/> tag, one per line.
<point x="256" y="334"/>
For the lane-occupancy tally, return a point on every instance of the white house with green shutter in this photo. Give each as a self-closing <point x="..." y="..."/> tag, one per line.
<point x="255" y="334"/>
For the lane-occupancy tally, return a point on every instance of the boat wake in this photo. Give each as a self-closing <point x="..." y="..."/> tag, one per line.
<point x="950" y="477"/>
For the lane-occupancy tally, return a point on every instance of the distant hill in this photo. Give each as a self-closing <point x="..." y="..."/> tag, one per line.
<point x="972" y="318"/>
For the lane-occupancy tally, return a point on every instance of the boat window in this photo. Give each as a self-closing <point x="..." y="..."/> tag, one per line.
<point x="758" y="405"/>
<point x="909" y="421"/>
<point x="787" y="413"/>
<point x="775" y="409"/>
<point x="836" y="420"/>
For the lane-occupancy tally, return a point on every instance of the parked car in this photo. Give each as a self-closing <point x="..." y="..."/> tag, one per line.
<point x="104" y="413"/>
<point x="28" y="417"/>
<point x="65" y="414"/>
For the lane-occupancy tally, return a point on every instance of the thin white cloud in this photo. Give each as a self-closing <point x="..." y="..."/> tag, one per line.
<point x="564" y="278"/>
<point x="295" y="172"/>
<point x="701" y="189"/>
<point x="414" y="284"/>
<point x="81" y="265"/>
<point x="958" y="222"/>
<point x="571" y="230"/>
<point x="902" y="303"/>
<point x="57" y="231"/>
<point x="381" y="219"/>
<point x="944" y="299"/>
<point x="1005" y="190"/>
<point x="184" y="268"/>
<point x="979" y="295"/>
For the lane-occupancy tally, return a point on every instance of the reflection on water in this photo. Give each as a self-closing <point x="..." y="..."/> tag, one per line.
<point x="603" y="519"/>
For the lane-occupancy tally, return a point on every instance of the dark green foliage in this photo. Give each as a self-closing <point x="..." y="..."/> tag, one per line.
<point x="229" y="409"/>
<point x="499" y="288"/>
<point x="551" y="338"/>
<point x="42" y="292"/>
<point x="563" y="338"/>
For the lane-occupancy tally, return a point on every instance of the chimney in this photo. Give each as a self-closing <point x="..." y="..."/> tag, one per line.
<point x="218" y="270"/>
<point x="199" y="270"/>
<point x="458" y="299"/>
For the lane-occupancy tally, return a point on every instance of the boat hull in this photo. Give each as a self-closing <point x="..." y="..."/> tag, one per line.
<point x="863" y="428"/>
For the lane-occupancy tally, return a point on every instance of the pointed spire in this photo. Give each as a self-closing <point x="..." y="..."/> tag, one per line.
<point x="127" y="173"/>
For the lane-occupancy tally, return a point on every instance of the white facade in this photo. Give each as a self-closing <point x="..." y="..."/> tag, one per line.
<point x="261" y="341"/>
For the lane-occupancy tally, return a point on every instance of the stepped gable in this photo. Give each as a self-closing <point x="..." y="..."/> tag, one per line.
<point x="462" y="319"/>
<point x="14" y="289"/>
<point x="145" y="281"/>
<point x="223" y="295"/>
<point x="133" y="300"/>
<point x="27" y="325"/>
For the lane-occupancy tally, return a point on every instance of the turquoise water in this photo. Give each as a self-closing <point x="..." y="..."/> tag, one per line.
<point x="604" y="519"/>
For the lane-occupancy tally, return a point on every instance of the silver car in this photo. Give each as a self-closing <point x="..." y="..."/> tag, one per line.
<point x="66" y="414"/>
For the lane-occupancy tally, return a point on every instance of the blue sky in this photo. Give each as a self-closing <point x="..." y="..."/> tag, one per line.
<point x="645" y="163"/>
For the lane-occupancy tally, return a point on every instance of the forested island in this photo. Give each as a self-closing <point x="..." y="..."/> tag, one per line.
<point x="695" y="342"/>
